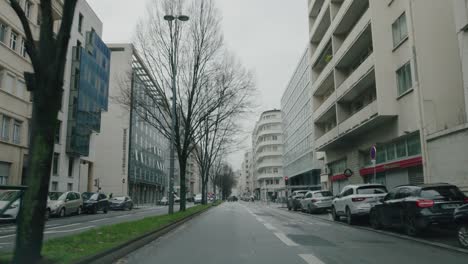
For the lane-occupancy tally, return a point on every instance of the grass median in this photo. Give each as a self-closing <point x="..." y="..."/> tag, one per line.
<point x="72" y="248"/>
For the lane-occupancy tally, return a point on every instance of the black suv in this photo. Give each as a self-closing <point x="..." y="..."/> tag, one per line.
<point x="416" y="208"/>
<point x="94" y="202"/>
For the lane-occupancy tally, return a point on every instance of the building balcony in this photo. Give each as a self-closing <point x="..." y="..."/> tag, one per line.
<point x="321" y="25"/>
<point x="57" y="9"/>
<point x="314" y="7"/>
<point x="353" y="127"/>
<point x="359" y="79"/>
<point x="267" y="143"/>
<point x="262" y="176"/>
<point x="268" y="164"/>
<point x="270" y="132"/>
<point x="265" y="154"/>
<point x="325" y="80"/>
<point x="348" y="16"/>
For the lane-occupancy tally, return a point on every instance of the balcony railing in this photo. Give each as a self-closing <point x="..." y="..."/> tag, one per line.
<point x="358" y="118"/>
<point x="356" y="76"/>
<point x="325" y="106"/>
<point x="327" y="137"/>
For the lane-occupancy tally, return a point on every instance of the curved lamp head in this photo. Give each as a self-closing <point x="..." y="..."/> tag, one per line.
<point x="169" y="17"/>
<point x="183" y="18"/>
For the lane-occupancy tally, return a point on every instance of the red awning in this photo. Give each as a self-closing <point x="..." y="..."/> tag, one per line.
<point x="412" y="162"/>
<point x="339" y="177"/>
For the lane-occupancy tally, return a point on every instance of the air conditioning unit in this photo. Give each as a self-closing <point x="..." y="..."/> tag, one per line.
<point x="326" y="170"/>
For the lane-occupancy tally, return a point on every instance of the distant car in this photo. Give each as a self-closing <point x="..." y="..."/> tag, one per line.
<point x="294" y="202"/>
<point x="317" y="201"/>
<point x="164" y="201"/>
<point x="416" y="208"/>
<point x="7" y="196"/>
<point x="461" y="219"/>
<point x="95" y="202"/>
<point x="357" y="200"/>
<point x="65" y="203"/>
<point x="232" y="198"/>
<point x="197" y="199"/>
<point x="121" y="203"/>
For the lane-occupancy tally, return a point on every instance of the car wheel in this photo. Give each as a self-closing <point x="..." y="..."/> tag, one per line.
<point x="463" y="236"/>
<point x="95" y="210"/>
<point x="309" y="210"/>
<point x="62" y="212"/>
<point x="78" y="212"/>
<point x="289" y="208"/>
<point x="349" y="217"/>
<point x="47" y="214"/>
<point x="105" y="210"/>
<point x="131" y="207"/>
<point x="410" y="226"/>
<point x="335" y="216"/>
<point x="374" y="219"/>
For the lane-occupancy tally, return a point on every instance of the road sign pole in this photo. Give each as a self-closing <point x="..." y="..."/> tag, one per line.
<point x="373" y="156"/>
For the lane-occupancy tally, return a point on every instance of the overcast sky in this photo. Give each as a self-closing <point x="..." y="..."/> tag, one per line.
<point x="269" y="36"/>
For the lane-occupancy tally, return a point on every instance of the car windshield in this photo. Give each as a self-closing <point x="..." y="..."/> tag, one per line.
<point x="94" y="197"/>
<point x="371" y="190"/>
<point x="446" y="193"/>
<point x="8" y="195"/>
<point x="86" y="195"/>
<point x="54" y="196"/>
<point x="323" y="194"/>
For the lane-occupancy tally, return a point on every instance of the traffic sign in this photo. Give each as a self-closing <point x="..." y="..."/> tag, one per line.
<point x="348" y="173"/>
<point x="286" y="178"/>
<point x="373" y="152"/>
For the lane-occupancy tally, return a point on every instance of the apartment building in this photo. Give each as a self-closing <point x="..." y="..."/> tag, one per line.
<point x="15" y="100"/>
<point x="378" y="73"/>
<point x="246" y="181"/>
<point x="267" y="155"/>
<point x="299" y="159"/>
<point x="131" y="153"/>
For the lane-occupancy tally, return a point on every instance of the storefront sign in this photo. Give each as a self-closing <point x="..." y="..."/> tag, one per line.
<point x="407" y="163"/>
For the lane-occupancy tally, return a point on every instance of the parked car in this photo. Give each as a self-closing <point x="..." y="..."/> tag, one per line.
<point x="294" y="200"/>
<point x="197" y="199"/>
<point x="232" y="198"/>
<point x="461" y="219"/>
<point x="65" y="203"/>
<point x="416" y="208"/>
<point x="7" y="196"/>
<point x="356" y="200"/>
<point x="317" y="201"/>
<point x="121" y="203"/>
<point x="94" y="202"/>
<point x="164" y="201"/>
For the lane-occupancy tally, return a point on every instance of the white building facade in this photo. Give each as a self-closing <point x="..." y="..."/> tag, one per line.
<point x="299" y="160"/>
<point x="378" y="72"/>
<point x="267" y="155"/>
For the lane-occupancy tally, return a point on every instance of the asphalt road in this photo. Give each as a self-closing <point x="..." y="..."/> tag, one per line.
<point x="58" y="227"/>
<point x="255" y="234"/>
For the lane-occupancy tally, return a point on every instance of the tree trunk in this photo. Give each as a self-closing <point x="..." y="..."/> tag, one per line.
<point x="29" y="237"/>
<point x="204" y="191"/>
<point x="183" y="187"/>
<point x="214" y="190"/>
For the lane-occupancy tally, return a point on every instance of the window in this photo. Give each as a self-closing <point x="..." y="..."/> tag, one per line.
<point x="9" y="83"/>
<point x="70" y="167"/>
<point x="390" y="152"/>
<point x="27" y="9"/>
<point x="57" y="132"/>
<point x="54" y="186"/>
<point x="55" y="164"/>
<point x="70" y="188"/>
<point x="17" y="132"/>
<point x="404" y="80"/>
<point x="6" y="128"/>
<point x="401" y="149"/>
<point x="348" y="192"/>
<point x="400" y="30"/>
<point x="4" y="172"/>
<point x="13" y="40"/>
<point x="414" y="145"/>
<point x="23" y="48"/>
<point x="80" y="23"/>
<point x="3" y="32"/>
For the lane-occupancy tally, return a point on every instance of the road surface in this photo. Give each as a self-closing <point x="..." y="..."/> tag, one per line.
<point x="255" y="234"/>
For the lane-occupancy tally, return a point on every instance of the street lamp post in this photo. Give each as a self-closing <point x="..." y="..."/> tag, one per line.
<point x="174" y="46"/>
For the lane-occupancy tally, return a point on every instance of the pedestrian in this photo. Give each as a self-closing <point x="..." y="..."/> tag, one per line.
<point x="110" y="195"/>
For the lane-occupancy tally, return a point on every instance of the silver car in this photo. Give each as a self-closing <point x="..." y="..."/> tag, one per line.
<point x="317" y="201"/>
<point x="62" y="204"/>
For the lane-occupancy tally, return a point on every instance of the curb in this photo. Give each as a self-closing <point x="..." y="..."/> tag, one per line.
<point x="421" y="241"/>
<point x="120" y="251"/>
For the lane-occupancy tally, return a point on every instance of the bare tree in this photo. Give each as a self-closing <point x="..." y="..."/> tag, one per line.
<point x="202" y="93"/>
<point x="226" y="180"/>
<point x="48" y="57"/>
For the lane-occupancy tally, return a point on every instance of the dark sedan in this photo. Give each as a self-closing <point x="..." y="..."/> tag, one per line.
<point x="121" y="203"/>
<point x="461" y="219"/>
<point x="416" y="208"/>
<point x="94" y="202"/>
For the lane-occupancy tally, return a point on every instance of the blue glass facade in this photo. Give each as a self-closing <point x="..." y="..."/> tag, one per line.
<point x="89" y="93"/>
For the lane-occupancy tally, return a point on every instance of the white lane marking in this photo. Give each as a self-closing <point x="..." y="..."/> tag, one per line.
<point x="260" y="219"/>
<point x="69" y="230"/>
<point x="51" y="225"/>
<point x="286" y="240"/>
<point x="7" y="236"/>
<point x="62" y="226"/>
<point x="120" y="216"/>
<point x="99" y="220"/>
<point x="310" y="259"/>
<point x="269" y="226"/>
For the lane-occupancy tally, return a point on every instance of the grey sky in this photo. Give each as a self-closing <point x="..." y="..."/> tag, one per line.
<point x="269" y="36"/>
